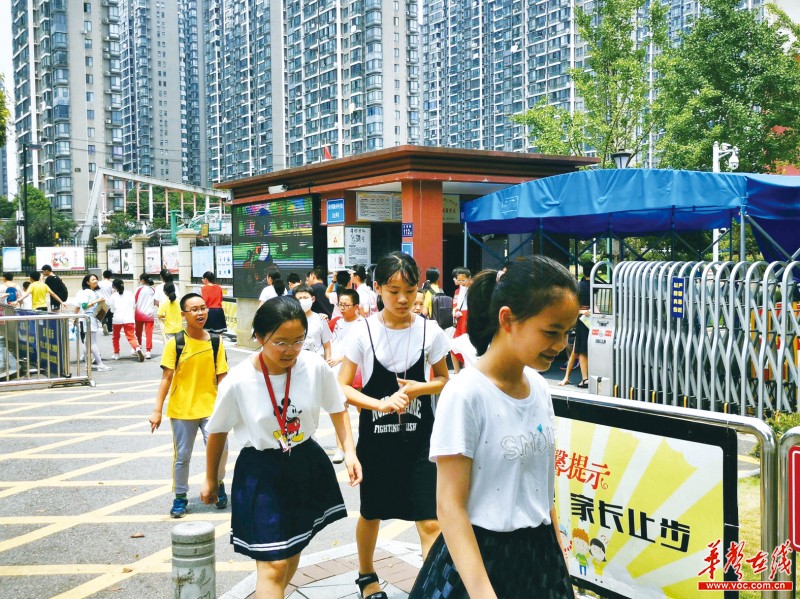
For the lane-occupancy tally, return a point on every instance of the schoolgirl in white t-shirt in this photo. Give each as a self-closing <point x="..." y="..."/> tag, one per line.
<point x="493" y="442"/>
<point x="284" y="487"/>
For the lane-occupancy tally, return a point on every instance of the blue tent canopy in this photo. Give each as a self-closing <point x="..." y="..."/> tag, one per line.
<point x="634" y="202"/>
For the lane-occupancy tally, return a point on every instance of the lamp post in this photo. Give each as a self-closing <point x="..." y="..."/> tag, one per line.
<point x="25" y="148"/>
<point x="719" y="152"/>
<point x="622" y="158"/>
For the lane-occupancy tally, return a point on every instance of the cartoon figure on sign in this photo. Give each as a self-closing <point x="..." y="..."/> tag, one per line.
<point x="580" y="548"/>
<point x="566" y="542"/>
<point x="598" y="550"/>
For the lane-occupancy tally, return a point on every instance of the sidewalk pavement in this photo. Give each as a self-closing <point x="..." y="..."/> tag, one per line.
<point x="331" y="574"/>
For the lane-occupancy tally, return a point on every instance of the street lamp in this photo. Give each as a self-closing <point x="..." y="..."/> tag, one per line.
<point x="719" y="152"/>
<point x="25" y="148"/>
<point x="622" y="158"/>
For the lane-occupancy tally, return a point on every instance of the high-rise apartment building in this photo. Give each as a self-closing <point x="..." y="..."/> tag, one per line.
<point x="160" y="69"/>
<point x="289" y="82"/>
<point x="485" y="60"/>
<point x="3" y="166"/>
<point x="68" y="96"/>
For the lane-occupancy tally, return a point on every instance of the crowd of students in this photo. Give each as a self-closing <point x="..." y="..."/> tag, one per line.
<point x="439" y="463"/>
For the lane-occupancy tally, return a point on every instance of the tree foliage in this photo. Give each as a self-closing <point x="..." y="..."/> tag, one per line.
<point x="38" y="221"/>
<point x="731" y="79"/>
<point x="4" y="113"/>
<point x="160" y="221"/>
<point x="8" y="207"/>
<point x="614" y="84"/>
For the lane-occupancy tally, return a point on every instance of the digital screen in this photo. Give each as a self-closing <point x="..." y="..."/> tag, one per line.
<point x="271" y="234"/>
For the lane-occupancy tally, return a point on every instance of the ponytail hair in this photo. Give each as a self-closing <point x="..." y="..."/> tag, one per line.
<point x="529" y="286"/>
<point x="169" y="291"/>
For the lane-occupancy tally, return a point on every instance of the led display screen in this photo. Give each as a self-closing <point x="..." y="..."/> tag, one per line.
<point x="271" y="234"/>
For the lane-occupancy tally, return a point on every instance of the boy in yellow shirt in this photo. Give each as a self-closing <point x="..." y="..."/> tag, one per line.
<point x="190" y="374"/>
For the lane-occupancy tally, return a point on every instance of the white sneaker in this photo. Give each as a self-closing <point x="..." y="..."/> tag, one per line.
<point x="337" y="457"/>
<point x="139" y="354"/>
<point x="147" y="355"/>
<point x="102" y="368"/>
<point x="115" y="357"/>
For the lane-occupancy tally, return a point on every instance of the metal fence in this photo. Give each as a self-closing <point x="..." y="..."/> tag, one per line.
<point x="42" y="348"/>
<point x="721" y="336"/>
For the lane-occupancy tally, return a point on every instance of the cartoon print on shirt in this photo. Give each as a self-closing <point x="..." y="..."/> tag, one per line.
<point x="293" y="434"/>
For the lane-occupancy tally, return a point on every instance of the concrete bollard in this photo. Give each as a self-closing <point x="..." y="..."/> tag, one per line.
<point x="193" y="573"/>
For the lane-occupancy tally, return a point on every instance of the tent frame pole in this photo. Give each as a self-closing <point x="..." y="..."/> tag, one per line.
<point x="774" y="243"/>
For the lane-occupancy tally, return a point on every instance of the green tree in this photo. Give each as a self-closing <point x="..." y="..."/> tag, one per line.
<point x="614" y="84"/>
<point x="159" y="220"/>
<point x="38" y="222"/>
<point x="731" y="79"/>
<point x="8" y="208"/>
<point x="4" y="113"/>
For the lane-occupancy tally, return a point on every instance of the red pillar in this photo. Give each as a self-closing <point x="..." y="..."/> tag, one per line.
<point x="422" y="206"/>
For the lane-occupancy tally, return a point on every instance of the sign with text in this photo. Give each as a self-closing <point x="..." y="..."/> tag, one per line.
<point x="115" y="261"/>
<point x="676" y="297"/>
<point x="61" y="258"/>
<point x="451" y="209"/>
<point x="202" y="260"/>
<point x="407" y="230"/>
<point x="12" y="259"/>
<point x="152" y="260"/>
<point x="170" y="258"/>
<point x="407" y="247"/>
<point x="336" y="260"/>
<point x="224" y="258"/>
<point x="334" y="211"/>
<point x="794" y="496"/>
<point x="379" y="207"/>
<point x="631" y="531"/>
<point x="336" y="237"/>
<point x="357" y="246"/>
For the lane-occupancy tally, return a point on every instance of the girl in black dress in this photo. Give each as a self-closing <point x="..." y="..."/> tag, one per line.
<point x="393" y="349"/>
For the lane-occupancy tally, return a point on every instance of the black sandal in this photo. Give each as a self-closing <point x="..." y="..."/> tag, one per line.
<point x="366" y="579"/>
<point x="584" y="384"/>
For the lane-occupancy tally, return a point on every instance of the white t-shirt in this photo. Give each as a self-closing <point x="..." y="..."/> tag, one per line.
<point x="145" y="300"/>
<point x="243" y="402"/>
<point x="341" y="329"/>
<point x="511" y="443"/>
<point x="123" y="307"/>
<point x="85" y="296"/>
<point x="268" y="293"/>
<point x="396" y="349"/>
<point x="367" y="299"/>
<point x="463" y="347"/>
<point x="104" y="287"/>
<point x="317" y="335"/>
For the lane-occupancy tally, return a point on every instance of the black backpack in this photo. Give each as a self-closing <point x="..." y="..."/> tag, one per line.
<point x="441" y="309"/>
<point x="58" y="287"/>
<point x="180" y="344"/>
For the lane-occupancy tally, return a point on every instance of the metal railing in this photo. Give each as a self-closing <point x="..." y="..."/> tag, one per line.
<point x="733" y="348"/>
<point x="36" y="349"/>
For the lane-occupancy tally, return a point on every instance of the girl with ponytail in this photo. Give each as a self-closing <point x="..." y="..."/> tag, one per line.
<point x="493" y="442"/>
<point x="169" y="312"/>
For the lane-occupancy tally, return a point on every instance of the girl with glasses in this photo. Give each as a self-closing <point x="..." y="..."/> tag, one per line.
<point x="393" y="350"/>
<point x="284" y="487"/>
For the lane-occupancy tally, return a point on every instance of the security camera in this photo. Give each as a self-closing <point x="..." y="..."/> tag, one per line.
<point x="734" y="160"/>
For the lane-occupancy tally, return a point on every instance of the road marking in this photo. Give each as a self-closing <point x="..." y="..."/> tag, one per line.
<point x="394" y="529"/>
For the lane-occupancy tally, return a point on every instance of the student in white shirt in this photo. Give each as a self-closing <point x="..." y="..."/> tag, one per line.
<point x="367" y="298"/>
<point x="318" y="337"/>
<point x="123" y="304"/>
<point x="284" y="488"/>
<point x="493" y="443"/>
<point x="275" y="287"/>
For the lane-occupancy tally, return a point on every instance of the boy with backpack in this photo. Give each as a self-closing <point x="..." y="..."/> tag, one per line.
<point x="436" y="305"/>
<point x="56" y="285"/>
<point x="193" y="364"/>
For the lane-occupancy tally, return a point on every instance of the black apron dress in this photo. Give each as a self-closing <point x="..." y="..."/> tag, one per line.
<point x="399" y="479"/>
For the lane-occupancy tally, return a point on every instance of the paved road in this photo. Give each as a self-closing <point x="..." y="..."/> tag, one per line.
<point x="85" y="491"/>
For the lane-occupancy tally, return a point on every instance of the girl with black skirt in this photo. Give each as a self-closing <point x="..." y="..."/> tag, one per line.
<point x="494" y="444"/>
<point x="393" y="349"/>
<point x="284" y="488"/>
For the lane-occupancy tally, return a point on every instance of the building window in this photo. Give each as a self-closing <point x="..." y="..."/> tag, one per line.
<point x="87" y="7"/>
<point x="89" y="61"/>
<point x="90" y="149"/>
<point x="90" y="96"/>
<point x="90" y="114"/>
<point x="87" y="25"/>
<point x="87" y="42"/>
<point x="89" y="78"/>
<point x="90" y="132"/>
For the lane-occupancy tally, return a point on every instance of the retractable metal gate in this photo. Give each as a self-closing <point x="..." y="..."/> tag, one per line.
<point x="721" y="336"/>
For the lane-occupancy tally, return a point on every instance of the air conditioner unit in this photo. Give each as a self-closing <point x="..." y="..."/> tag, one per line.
<point x="106" y="39"/>
<point x="109" y="143"/>
<point x="108" y="91"/>
<point x="105" y="21"/>
<point x="108" y="121"/>
<point x="84" y="32"/>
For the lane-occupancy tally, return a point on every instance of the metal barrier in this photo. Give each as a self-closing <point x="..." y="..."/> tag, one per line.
<point x="35" y="349"/>
<point x="721" y="336"/>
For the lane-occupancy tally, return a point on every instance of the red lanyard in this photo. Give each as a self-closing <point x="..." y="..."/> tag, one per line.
<point x="280" y="416"/>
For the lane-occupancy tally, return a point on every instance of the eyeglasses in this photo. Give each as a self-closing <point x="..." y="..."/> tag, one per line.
<point x="343" y="306"/>
<point x="196" y="310"/>
<point x="283" y="347"/>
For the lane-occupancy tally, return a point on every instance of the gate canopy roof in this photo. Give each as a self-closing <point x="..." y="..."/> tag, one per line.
<point x="629" y="202"/>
